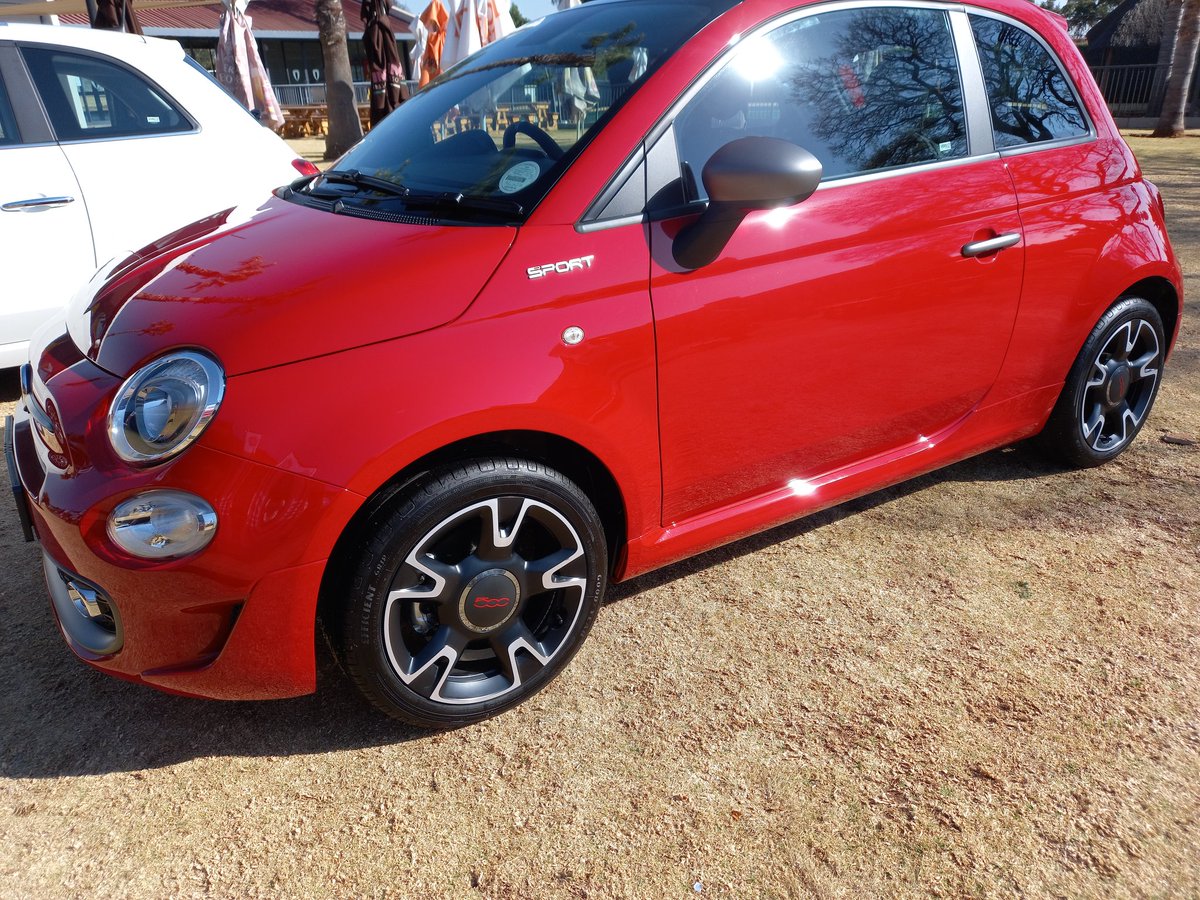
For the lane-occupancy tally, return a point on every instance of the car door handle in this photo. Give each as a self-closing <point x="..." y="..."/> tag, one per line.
<point x="991" y="245"/>
<point x="36" y="203"/>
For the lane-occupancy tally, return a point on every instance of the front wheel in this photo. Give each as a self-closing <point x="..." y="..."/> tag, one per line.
<point x="476" y="587"/>
<point x="1110" y="388"/>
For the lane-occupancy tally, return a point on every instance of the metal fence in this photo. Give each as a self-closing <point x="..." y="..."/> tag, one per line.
<point x="314" y="94"/>
<point x="1138" y="91"/>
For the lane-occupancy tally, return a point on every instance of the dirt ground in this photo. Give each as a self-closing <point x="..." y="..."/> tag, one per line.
<point x="983" y="683"/>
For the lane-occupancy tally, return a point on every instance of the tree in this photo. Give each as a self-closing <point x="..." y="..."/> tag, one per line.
<point x="1183" y="68"/>
<point x="345" y="130"/>
<point x="1080" y="14"/>
<point x="517" y="17"/>
<point x="1083" y="14"/>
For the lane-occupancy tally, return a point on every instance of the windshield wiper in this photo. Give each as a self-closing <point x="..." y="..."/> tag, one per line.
<point x="358" y="179"/>
<point x="463" y="201"/>
<point x="414" y="200"/>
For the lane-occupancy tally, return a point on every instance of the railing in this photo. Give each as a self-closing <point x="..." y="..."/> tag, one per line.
<point x="314" y="94"/>
<point x="1137" y="91"/>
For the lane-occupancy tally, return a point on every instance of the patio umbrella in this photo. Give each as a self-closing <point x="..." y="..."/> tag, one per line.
<point x="417" y="54"/>
<point x="465" y="34"/>
<point x="433" y="21"/>
<point x="498" y="20"/>
<point x="382" y="60"/>
<point x="116" y="15"/>
<point x="579" y="84"/>
<point x="239" y="67"/>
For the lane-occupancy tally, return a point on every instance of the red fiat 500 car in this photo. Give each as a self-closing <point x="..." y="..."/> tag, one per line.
<point x="641" y="279"/>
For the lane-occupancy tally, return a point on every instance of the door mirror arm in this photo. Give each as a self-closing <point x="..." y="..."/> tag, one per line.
<point x="745" y="175"/>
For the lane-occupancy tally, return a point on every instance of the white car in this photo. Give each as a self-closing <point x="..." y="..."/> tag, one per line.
<point x="107" y="142"/>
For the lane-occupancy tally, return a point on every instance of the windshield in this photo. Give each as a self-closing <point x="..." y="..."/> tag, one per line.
<point x="495" y="132"/>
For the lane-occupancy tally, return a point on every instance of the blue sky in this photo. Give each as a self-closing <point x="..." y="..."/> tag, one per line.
<point x="532" y="9"/>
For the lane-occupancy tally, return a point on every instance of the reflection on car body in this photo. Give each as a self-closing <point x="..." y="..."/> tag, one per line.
<point x="738" y="263"/>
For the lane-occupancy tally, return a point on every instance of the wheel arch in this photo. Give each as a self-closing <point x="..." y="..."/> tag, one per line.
<point x="1161" y="294"/>
<point x="572" y="459"/>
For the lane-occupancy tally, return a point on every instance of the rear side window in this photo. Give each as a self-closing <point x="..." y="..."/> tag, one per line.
<point x="862" y="90"/>
<point x="1032" y="101"/>
<point x="89" y="98"/>
<point x="8" y="124"/>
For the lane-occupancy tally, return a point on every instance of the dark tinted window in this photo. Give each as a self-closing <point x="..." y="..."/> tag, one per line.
<point x="89" y="98"/>
<point x="861" y="90"/>
<point x="1031" y="99"/>
<point x="8" y="125"/>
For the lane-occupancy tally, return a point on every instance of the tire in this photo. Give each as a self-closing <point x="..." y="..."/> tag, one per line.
<point x="1110" y="389"/>
<point x="476" y="585"/>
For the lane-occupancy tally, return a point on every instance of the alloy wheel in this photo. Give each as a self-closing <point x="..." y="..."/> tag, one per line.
<point x="1120" y="386"/>
<point x="485" y="600"/>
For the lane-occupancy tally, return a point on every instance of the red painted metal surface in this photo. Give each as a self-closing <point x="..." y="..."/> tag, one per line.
<point x="291" y="283"/>
<point x="833" y="348"/>
<point x="831" y="331"/>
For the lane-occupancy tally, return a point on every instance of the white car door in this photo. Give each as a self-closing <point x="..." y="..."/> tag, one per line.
<point x="46" y="248"/>
<point x="149" y="163"/>
<point x="127" y="141"/>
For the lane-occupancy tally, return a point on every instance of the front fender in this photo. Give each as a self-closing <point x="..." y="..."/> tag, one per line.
<point x="355" y="419"/>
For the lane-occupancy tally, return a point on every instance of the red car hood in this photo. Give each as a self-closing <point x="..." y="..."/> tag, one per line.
<point x="281" y="284"/>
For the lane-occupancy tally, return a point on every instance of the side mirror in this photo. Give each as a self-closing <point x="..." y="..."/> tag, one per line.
<point x="745" y="175"/>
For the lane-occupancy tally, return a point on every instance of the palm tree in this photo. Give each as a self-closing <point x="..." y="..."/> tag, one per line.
<point x="345" y="130"/>
<point x="1171" y="122"/>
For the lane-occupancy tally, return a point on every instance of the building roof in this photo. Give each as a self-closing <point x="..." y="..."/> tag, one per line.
<point x="1134" y="23"/>
<point x="269" y="19"/>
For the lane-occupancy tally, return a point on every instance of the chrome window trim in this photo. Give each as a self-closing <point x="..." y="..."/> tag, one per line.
<point x="1048" y="145"/>
<point x="880" y="174"/>
<point x="1091" y="133"/>
<point x="131" y="137"/>
<point x="604" y="224"/>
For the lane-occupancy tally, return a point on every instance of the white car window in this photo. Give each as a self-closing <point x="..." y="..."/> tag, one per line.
<point x="89" y="98"/>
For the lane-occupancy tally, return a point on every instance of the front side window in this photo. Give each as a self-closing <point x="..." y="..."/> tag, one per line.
<point x="862" y="90"/>
<point x="494" y="132"/>
<point x="1031" y="99"/>
<point x="89" y="98"/>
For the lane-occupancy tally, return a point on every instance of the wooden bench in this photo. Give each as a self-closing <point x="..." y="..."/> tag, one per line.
<point x="304" y="121"/>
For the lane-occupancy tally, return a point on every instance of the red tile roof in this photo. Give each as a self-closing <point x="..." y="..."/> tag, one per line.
<point x="265" y="15"/>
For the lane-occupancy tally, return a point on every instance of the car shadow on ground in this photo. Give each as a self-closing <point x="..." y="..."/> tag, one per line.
<point x="64" y="719"/>
<point x="10" y="385"/>
<point x="1017" y="463"/>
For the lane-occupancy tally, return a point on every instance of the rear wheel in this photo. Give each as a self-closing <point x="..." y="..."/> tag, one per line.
<point x="1110" y="388"/>
<point x="479" y="583"/>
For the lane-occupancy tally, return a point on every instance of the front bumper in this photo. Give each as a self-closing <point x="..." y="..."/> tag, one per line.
<point x="235" y="621"/>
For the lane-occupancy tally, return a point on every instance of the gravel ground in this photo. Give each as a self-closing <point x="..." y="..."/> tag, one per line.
<point x="981" y="683"/>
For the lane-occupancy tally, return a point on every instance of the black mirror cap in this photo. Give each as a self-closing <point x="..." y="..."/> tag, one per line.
<point x="760" y="173"/>
<point x="747" y="174"/>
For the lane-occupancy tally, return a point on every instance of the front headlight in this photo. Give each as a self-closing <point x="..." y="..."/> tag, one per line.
<point x="164" y="406"/>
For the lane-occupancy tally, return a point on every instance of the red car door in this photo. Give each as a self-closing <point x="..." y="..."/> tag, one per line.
<point x="862" y="321"/>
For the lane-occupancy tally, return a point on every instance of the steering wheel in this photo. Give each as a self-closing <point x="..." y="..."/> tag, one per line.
<point x="548" y="144"/>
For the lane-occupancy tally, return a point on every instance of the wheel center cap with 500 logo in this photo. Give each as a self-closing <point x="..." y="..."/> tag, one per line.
<point x="489" y="601"/>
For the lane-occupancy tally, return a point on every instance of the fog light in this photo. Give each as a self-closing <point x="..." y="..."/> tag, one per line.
<point x="162" y="525"/>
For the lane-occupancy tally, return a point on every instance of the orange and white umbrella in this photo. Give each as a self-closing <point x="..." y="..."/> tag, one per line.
<point x="447" y="33"/>
<point x="430" y="29"/>
<point x="465" y="35"/>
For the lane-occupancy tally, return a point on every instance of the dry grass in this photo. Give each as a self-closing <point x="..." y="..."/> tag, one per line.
<point x="983" y="683"/>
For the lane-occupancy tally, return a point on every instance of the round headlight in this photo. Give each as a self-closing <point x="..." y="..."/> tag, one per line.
<point x="163" y="407"/>
<point x="162" y="524"/>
